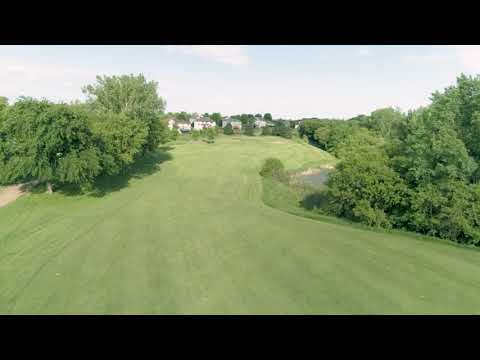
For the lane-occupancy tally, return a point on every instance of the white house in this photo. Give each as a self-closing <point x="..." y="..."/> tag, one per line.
<point x="171" y="123"/>
<point x="203" y="123"/>
<point x="183" y="127"/>
<point x="260" y="123"/>
<point x="236" y="124"/>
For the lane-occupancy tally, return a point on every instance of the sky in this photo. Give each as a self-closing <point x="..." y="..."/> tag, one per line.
<point x="289" y="82"/>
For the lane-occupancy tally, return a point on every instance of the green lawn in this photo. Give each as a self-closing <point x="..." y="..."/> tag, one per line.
<point x="188" y="233"/>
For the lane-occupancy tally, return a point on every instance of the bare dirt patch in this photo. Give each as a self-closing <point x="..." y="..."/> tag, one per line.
<point x="11" y="193"/>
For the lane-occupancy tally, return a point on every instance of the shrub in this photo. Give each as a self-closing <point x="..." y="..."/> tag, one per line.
<point x="173" y="134"/>
<point x="209" y="134"/>
<point x="249" y="129"/>
<point x="195" y="135"/>
<point x="266" y="131"/>
<point x="273" y="168"/>
<point x="228" y="130"/>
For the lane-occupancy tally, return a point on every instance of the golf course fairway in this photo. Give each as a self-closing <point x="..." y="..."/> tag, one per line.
<point x="187" y="232"/>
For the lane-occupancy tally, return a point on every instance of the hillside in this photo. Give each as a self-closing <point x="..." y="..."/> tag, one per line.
<point x="188" y="232"/>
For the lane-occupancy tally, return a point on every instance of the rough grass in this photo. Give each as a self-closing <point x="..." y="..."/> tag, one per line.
<point x="187" y="232"/>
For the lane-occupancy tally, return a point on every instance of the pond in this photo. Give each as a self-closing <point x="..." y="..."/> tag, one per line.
<point x="315" y="177"/>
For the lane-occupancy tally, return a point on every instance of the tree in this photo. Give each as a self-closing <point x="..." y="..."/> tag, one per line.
<point x="48" y="142"/>
<point x="258" y="115"/>
<point x="281" y="129"/>
<point x="217" y="117"/>
<point x="273" y="168"/>
<point x="120" y="140"/>
<point x="364" y="188"/>
<point x="383" y="121"/>
<point x="267" y="117"/>
<point x="459" y="106"/>
<point x="427" y="150"/>
<point x="307" y="128"/>
<point x="132" y="96"/>
<point x="249" y="129"/>
<point x="228" y="130"/>
<point x="183" y="116"/>
<point x="3" y="103"/>
<point x="3" y="108"/>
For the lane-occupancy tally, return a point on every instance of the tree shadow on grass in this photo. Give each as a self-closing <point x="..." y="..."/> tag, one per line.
<point x="317" y="201"/>
<point x="103" y="185"/>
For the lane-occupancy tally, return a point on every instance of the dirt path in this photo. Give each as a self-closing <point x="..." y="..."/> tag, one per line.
<point x="11" y="193"/>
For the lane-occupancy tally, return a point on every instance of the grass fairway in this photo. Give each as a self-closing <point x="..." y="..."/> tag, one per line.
<point x="188" y="233"/>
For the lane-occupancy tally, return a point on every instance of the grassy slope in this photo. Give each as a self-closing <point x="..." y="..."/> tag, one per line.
<point x="193" y="236"/>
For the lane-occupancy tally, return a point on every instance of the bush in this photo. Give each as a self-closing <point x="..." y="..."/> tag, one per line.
<point x="209" y="134"/>
<point x="228" y="130"/>
<point x="173" y="134"/>
<point x="266" y="131"/>
<point x="249" y="129"/>
<point x="273" y="168"/>
<point x="195" y="134"/>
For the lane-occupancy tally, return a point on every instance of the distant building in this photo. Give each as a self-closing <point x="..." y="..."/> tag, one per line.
<point x="260" y="123"/>
<point x="171" y="123"/>
<point x="183" y="126"/>
<point x="203" y="123"/>
<point x="236" y="124"/>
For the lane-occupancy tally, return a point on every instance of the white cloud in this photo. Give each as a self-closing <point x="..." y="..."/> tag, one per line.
<point x="228" y="54"/>
<point x="469" y="57"/>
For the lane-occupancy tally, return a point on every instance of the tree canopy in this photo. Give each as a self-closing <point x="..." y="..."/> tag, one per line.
<point x="49" y="142"/>
<point x="132" y="96"/>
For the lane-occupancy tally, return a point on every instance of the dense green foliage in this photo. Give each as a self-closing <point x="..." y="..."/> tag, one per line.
<point x="48" y="142"/>
<point x="417" y="171"/>
<point x="120" y="139"/>
<point x="282" y="129"/>
<point x="73" y="144"/>
<point x="228" y="129"/>
<point x="132" y="96"/>
<point x="273" y="168"/>
<point x="217" y="117"/>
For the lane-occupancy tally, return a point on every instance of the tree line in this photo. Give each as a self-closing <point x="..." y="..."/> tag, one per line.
<point x="57" y="144"/>
<point x="417" y="171"/>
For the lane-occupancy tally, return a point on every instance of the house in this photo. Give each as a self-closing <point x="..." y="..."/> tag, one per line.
<point x="183" y="126"/>
<point x="171" y="123"/>
<point x="203" y="123"/>
<point x="236" y="124"/>
<point x="260" y="123"/>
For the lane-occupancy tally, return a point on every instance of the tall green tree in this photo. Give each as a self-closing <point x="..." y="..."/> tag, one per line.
<point x="364" y="188"/>
<point x="119" y="139"/>
<point x="132" y="96"/>
<point x="282" y="129"/>
<point x="459" y="105"/>
<point x="267" y="117"/>
<point x="48" y="142"/>
<point x="217" y="117"/>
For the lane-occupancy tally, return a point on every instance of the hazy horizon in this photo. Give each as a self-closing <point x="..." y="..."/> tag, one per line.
<point x="289" y="82"/>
